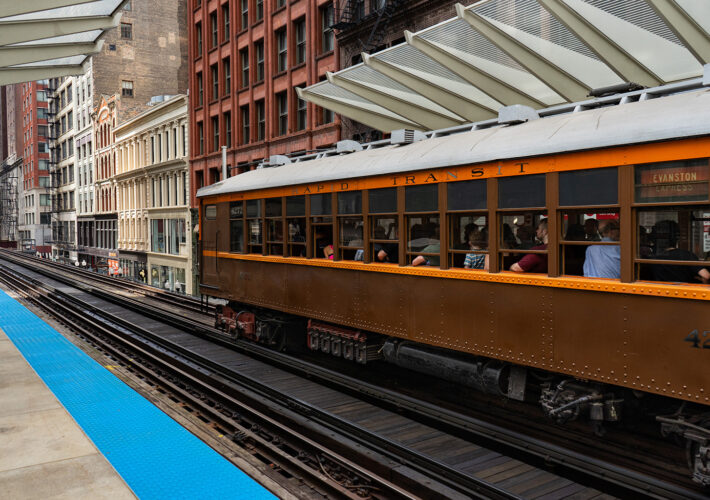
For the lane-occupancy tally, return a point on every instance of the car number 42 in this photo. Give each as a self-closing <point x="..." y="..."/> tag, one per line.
<point x="696" y="338"/>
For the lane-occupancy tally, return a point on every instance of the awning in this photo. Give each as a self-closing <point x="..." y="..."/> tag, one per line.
<point x="539" y="53"/>
<point x="41" y="39"/>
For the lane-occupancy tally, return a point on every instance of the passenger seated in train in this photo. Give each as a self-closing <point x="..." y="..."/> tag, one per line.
<point x="534" y="262"/>
<point x="574" y="254"/>
<point x="665" y="235"/>
<point x="478" y="242"/>
<point x="433" y="247"/>
<point x="591" y="230"/>
<point x="604" y="261"/>
<point x="384" y="252"/>
<point x="324" y="243"/>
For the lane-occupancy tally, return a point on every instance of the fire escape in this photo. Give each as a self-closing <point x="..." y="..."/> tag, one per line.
<point x="351" y="14"/>
<point x="9" y="213"/>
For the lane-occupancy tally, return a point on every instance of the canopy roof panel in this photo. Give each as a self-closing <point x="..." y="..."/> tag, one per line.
<point x="538" y="53"/>
<point x="41" y="39"/>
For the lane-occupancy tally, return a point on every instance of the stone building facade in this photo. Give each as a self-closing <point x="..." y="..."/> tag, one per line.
<point x="152" y="195"/>
<point x="246" y="60"/>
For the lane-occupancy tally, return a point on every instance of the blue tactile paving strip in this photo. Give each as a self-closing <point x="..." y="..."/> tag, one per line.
<point x="154" y="455"/>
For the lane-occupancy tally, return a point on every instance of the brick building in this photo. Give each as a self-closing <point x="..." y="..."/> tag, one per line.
<point x="35" y="205"/>
<point x="246" y="59"/>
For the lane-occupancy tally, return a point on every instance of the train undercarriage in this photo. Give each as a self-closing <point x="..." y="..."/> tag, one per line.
<point x="562" y="399"/>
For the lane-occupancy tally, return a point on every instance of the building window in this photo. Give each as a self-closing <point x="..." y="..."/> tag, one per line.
<point x="228" y="129"/>
<point x="227" y="76"/>
<point x="215" y="133"/>
<point x="327" y="18"/>
<point x="259" y="48"/>
<point x="200" y="88"/>
<point x="244" y="111"/>
<point x="259" y="10"/>
<point x="300" y="28"/>
<point x="200" y="138"/>
<point x="184" y="142"/>
<point x="198" y="39"/>
<point x="328" y="116"/>
<point x="128" y="6"/>
<point x="214" y="71"/>
<point x="245" y="14"/>
<point x="282" y="51"/>
<point x="127" y="31"/>
<point x="244" y="59"/>
<point x="301" y="112"/>
<point x="215" y="29"/>
<point x="260" y="120"/>
<point x="280" y="3"/>
<point x="225" y="21"/>
<point x="126" y="88"/>
<point x="282" y="103"/>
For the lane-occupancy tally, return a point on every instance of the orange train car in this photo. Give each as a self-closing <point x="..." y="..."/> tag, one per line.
<point x="575" y="246"/>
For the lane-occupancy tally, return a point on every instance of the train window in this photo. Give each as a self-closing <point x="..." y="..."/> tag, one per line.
<point x="468" y="245"/>
<point x="350" y="226"/>
<point x="296" y="236"/>
<point x="274" y="226"/>
<point x="423" y="245"/>
<point x="236" y="226"/>
<point x="383" y="201"/>
<point x="321" y="204"/>
<point x="589" y="187"/>
<point x="590" y="243"/>
<point x="673" y="244"/>
<point x="523" y="241"/>
<point x="350" y="202"/>
<point x="296" y="211"/>
<point x="467" y="195"/>
<point x="296" y="206"/>
<point x="422" y="198"/>
<point x="253" y="208"/>
<point x="384" y="239"/>
<point x="254" y="226"/>
<point x="273" y="207"/>
<point x="211" y="212"/>
<point x="521" y="192"/>
<point x="674" y="181"/>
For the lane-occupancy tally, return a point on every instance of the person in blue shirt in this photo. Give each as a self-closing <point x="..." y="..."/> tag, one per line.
<point x="604" y="261"/>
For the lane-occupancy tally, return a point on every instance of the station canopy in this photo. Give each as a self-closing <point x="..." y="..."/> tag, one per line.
<point x="538" y="53"/>
<point x="41" y="39"/>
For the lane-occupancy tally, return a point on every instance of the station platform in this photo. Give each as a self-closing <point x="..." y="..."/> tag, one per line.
<point x="70" y="429"/>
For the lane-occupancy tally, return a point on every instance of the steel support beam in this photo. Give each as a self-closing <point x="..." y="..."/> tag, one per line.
<point x="466" y="108"/>
<point x="27" y="31"/>
<point x="18" y="7"/>
<point x="559" y="80"/>
<point x="384" y="122"/>
<point x="696" y="40"/>
<point x="425" y="118"/>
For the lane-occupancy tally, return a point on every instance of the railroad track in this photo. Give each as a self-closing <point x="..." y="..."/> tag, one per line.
<point x="456" y="481"/>
<point x="185" y="303"/>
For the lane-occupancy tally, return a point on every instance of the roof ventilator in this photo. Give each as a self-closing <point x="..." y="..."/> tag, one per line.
<point x="347" y="146"/>
<point x="517" y="113"/>
<point x="275" y="161"/>
<point x="406" y="136"/>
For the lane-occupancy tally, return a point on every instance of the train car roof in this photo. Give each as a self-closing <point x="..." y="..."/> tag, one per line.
<point x="663" y="118"/>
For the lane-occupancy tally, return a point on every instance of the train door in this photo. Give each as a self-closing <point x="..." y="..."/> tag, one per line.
<point x="209" y="241"/>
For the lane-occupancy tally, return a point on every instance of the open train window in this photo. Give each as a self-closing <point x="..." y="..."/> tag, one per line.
<point x="350" y="225"/>
<point x="590" y="223"/>
<point x="254" y="226"/>
<point x="384" y="237"/>
<point x="274" y="226"/>
<point x="423" y="229"/>
<point x="522" y="239"/>
<point x="296" y="221"/>
<point x="236" y="226"/>
<point x="322" y="225"/>
<point x="468" y="224"/>
<point x="673" y="221"/>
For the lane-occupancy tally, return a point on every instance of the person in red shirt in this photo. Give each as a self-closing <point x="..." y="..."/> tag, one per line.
<point x="534" y="262"/>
